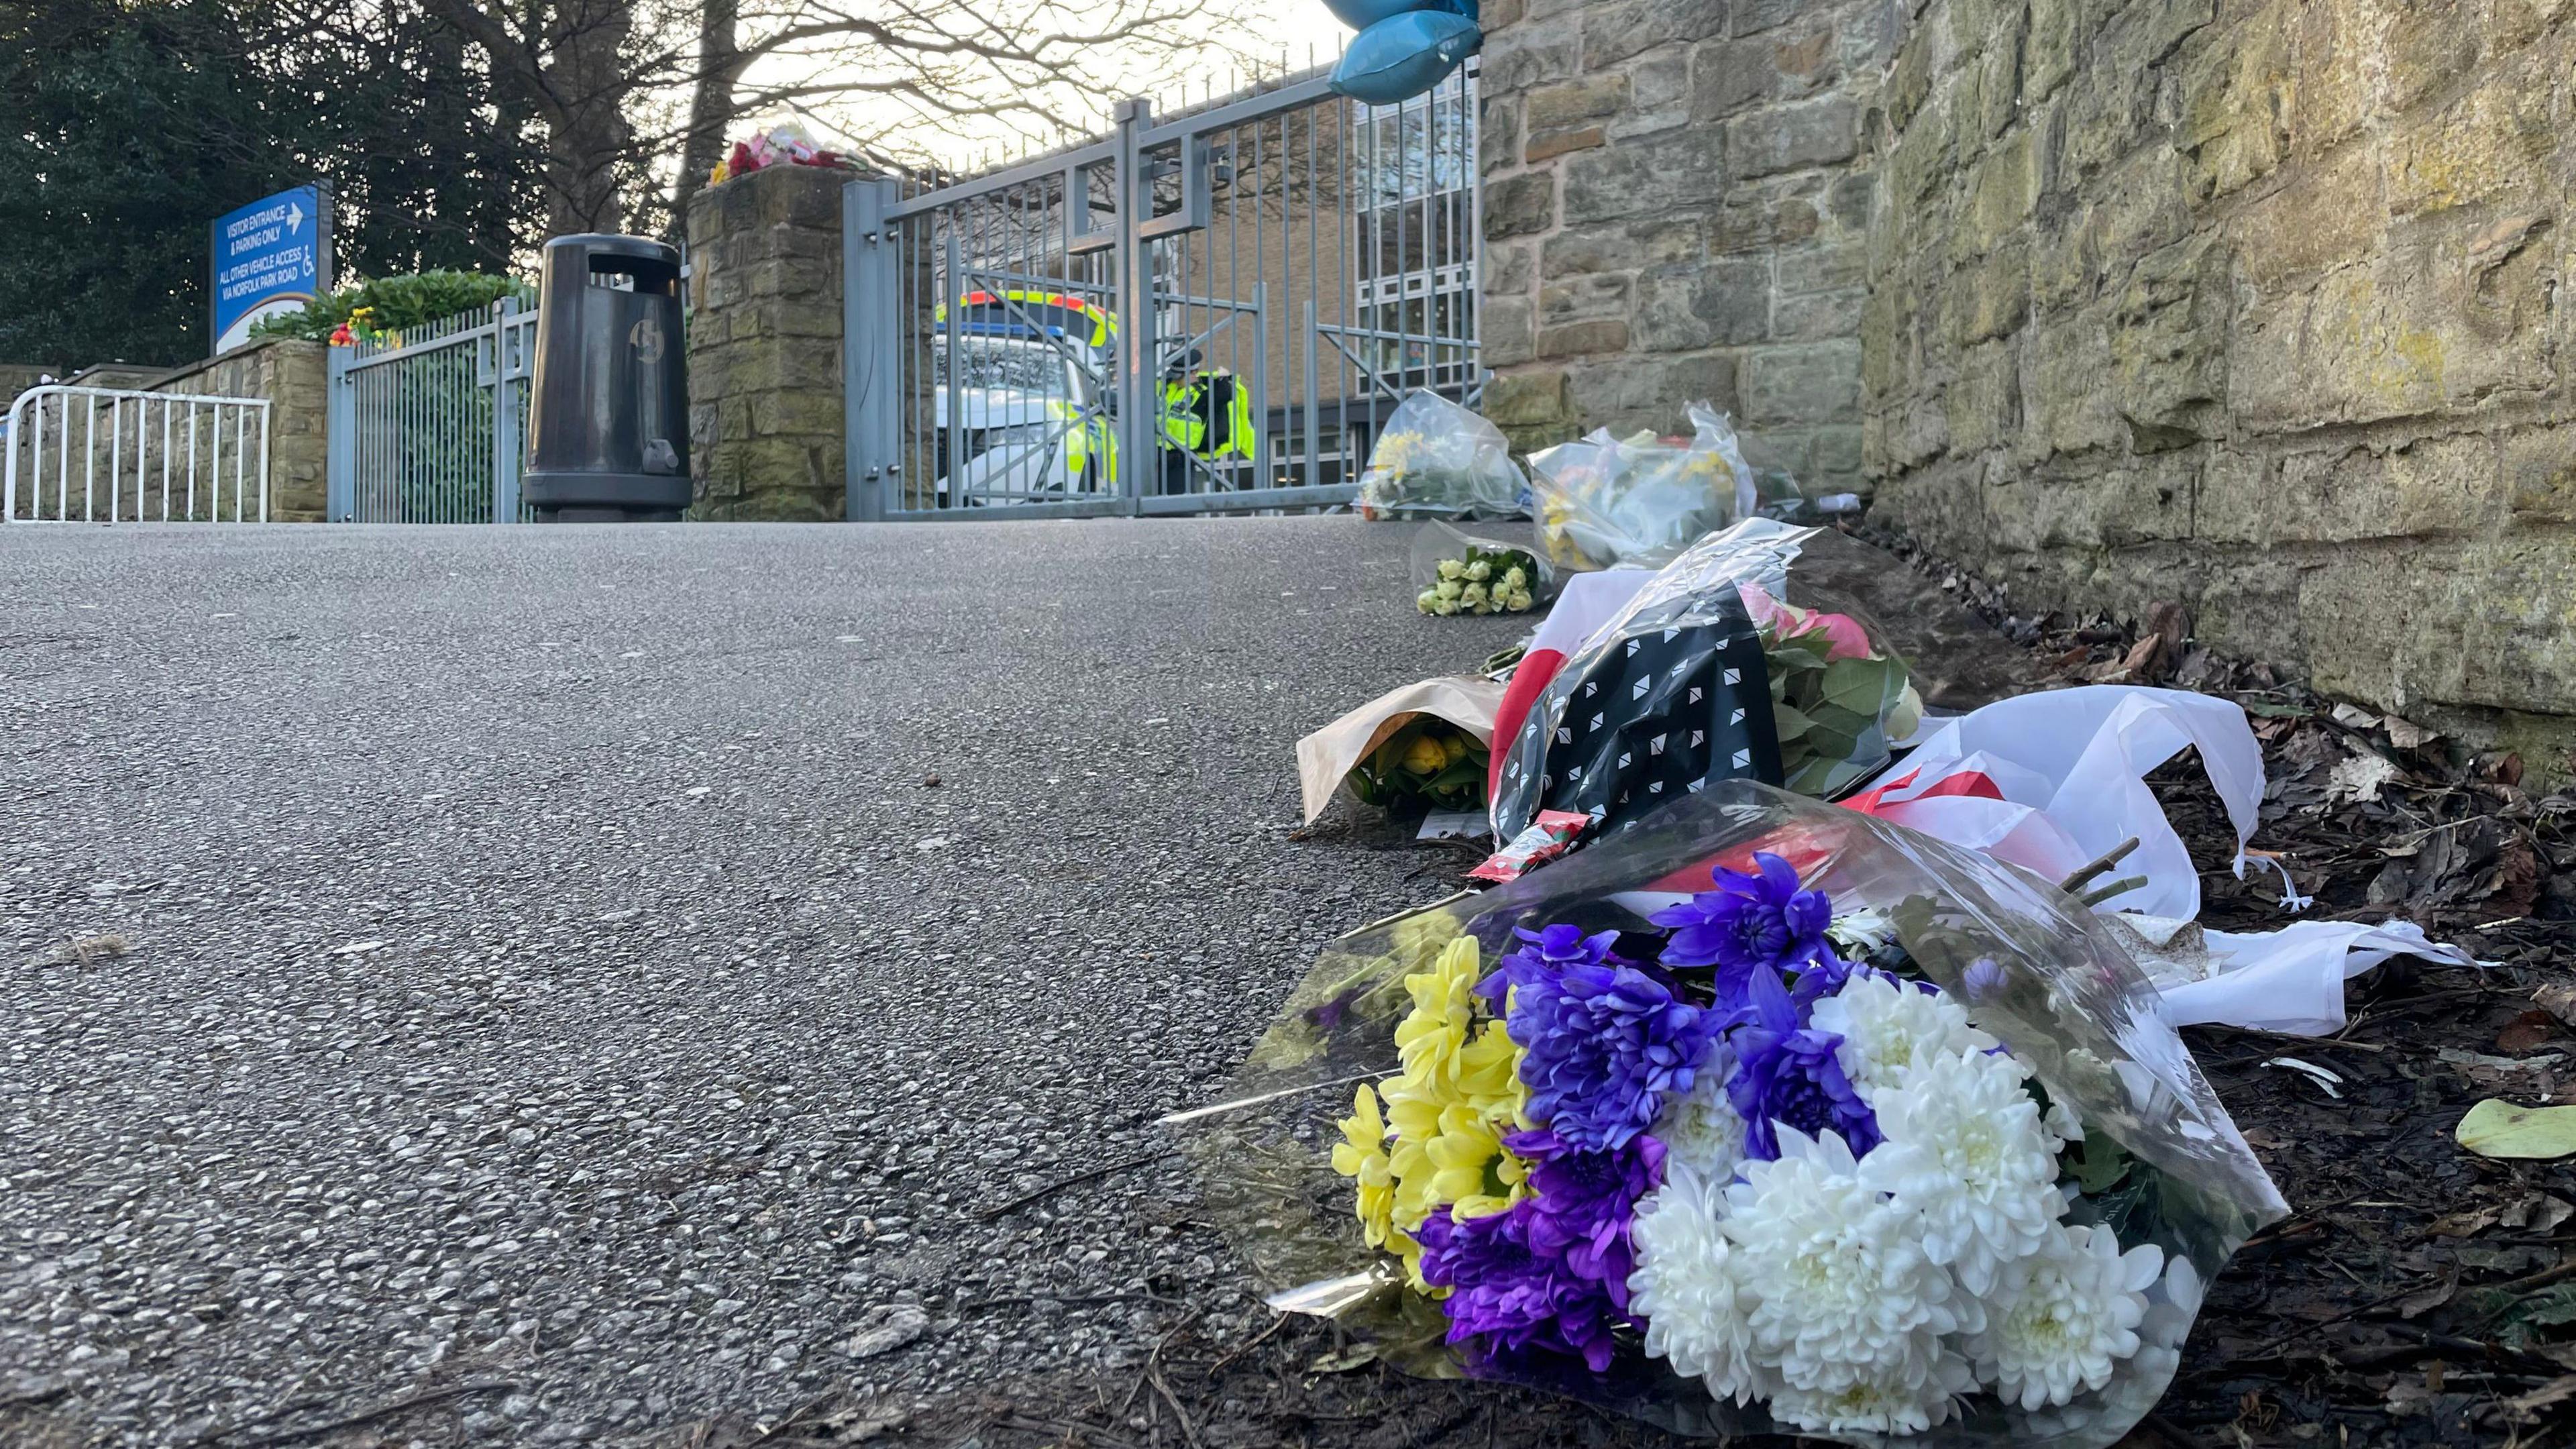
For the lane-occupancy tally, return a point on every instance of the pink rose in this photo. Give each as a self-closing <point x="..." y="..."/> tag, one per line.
<point x="1844" y="637"/>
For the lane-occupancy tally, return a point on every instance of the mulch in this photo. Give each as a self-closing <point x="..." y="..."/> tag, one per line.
<point x="2417" y="1295"/>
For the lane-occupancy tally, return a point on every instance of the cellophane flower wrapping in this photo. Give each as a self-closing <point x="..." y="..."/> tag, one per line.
<point x="1637" y="502"/>
<point x="1435" y="459"/>
<point x="1559" y="1212"/>
<point x="1728" y="664"/>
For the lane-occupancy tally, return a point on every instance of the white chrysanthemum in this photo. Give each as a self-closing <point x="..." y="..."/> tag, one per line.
<point x="1885" y="1023"/>
<point x="1699" y="1127"/>
<point x="1964" y="1150"/>
<point x="1861" y="932"/>
<point x="1685" y="1288"/>
<point x="2135" y="1388"/>
<point x="2061" y="1125"/>
<point x="2172" y="1305"/>
<point x="1842" y="1293"/>
<point x="1910" y="1402"/>
<point x="2062" y="1317"/>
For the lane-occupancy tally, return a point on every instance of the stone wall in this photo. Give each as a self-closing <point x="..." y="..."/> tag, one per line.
<point x="1673" y="210"/>
<point x="293" y="375"/>
<point x="17" y="377"/>
<point x="2250" y="304"/>
<point x="765" y="404"/>
<point x="137" y="446"/>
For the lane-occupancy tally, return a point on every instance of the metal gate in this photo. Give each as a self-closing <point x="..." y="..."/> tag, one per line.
<point x="428" y="425"/>
<point x="1211" y="312"/>
<point x="112" y="455"/>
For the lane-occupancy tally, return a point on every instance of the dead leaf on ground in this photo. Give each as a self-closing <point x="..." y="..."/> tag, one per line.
<point x="2559" y="1000"/>
<point x="2407" y="735"/>
<point x="2360" y="778"/>
<point x="1358" y="1355"/>
<point x="2528" y="1076"/>
<point x="2466" y="1223"/>
<point x="2527" y="1032"/>
<point x="2415" y="1305"/>
<point x="2497" y="1128"/>
<point x="2536" y="1212"/>
<point x="2556" y="1391"/>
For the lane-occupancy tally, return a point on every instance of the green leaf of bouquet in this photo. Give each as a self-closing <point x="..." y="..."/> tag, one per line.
<point x="1831" y="743"/>
<point x="1464" y="772"/>
<point x="1864" y="686"/>
<point x="2097" y="1162"/>
<point x="1790" y="722"/>
<point x="1833" y="717"/>
<point x="1811" y="779"/>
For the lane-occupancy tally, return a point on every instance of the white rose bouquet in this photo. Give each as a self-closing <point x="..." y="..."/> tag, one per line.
<point x="1463" y="570"/>
<point x="1481" y="581"/>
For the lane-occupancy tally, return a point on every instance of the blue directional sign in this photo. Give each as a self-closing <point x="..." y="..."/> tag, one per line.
<point x="271" y="256"/>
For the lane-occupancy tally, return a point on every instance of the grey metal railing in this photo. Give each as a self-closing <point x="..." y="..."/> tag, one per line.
<point x="1204" y="312"/>
<point x="428" y="424"/>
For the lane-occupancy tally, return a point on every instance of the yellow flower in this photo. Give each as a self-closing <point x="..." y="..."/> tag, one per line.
<point x="1362" y="1155"/>
<point x="1445" y="1117"/>
<point x="1415" y="1116"/>
<point x="1467" y="1144"/>
<point x="1430" y="1038"/>
<point x="1394" y="452"/>
<point x="1448" y="1157"/>
<point x="1423" y="934"/>
<point x="1424" y="756"/>
<point x="1489" y="1076"/>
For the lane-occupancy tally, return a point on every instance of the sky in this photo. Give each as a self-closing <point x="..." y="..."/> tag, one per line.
<point x="1266" y="29"/>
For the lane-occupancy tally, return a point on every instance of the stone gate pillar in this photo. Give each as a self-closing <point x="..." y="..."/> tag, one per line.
<point x="765" y="410"/>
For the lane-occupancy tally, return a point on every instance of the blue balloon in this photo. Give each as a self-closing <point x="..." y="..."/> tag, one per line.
<point x="1402" y="56"/>
<point x="1361" y="14"/>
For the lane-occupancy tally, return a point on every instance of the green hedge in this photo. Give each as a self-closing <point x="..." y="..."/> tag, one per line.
<point x="398" y="302"/>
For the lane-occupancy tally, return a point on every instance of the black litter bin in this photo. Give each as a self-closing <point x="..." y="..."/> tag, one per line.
<point x="608" y="408"/>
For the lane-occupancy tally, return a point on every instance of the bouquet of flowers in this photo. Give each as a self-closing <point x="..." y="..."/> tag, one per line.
<point x="1481" y="582"/>
<point x="1710" y="671"/>
<point x="1764" y="1116"/>
<point x="1463" y="570"/>
<point x="360" y="327"/>
<point x="1430" y="760"/>
<point x="1604" y="502"/>
<point x="1435" y="459"/>
<point x="783" y="145"/>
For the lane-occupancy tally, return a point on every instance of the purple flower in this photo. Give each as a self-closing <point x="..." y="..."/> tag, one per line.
<point x="1510" y="1295"/>
<point x="1586" y="1202"/>
<point x="1545" y="952"/>
<point x="1602" y="1042"/>
<point x="1983" y="980"/>
<point x="1786" y="1073"/>
<point x="1821" y="976"/>
<point x="1748" y="920"/>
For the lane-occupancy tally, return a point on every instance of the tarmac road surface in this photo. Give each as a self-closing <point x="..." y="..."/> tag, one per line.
<point x="531" y="967"/>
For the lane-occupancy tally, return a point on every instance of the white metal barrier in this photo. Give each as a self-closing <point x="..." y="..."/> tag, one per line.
<point x="201" y="443"/>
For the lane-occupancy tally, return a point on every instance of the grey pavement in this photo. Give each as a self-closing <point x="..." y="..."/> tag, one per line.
<point x="531" y="963"/>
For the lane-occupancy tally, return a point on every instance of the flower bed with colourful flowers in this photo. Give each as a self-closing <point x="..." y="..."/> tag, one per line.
<point x="1728" y="1150"/>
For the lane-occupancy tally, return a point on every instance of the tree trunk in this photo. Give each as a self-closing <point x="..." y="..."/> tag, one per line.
<point x="587" y="134"/>
<point x="578" y="91"/>
<point x="720" y="65"/>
